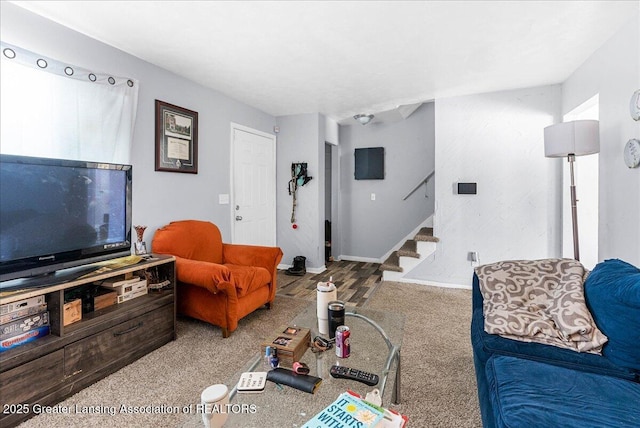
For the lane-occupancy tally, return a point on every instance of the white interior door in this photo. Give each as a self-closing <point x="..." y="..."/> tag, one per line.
<point x="253" y="175"/>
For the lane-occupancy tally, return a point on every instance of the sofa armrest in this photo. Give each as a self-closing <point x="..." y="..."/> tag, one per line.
<point x="476" y="296"/>
<point x="212" y="276"/>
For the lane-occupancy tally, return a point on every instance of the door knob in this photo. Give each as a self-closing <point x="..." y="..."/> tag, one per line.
<point x="238" y="217"/>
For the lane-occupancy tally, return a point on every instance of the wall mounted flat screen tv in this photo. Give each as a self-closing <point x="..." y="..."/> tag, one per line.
<point x="369" y="163"/>
<point x="59" y="214"/>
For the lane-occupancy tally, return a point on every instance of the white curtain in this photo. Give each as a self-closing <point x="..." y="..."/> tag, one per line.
<point x="57" y="110"/>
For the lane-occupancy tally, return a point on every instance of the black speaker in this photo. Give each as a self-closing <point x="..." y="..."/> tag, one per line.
<point x="467" y="188"/>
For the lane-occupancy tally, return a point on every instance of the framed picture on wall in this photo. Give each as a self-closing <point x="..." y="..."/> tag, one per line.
<point x="176" y="138"/>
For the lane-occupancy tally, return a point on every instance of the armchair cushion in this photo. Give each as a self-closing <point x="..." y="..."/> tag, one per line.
<point x="248" y="278"/>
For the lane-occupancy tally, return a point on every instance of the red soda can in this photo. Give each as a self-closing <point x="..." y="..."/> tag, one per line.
<point x="343" y="345"/>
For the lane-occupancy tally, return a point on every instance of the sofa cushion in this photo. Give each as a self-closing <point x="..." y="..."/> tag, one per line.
<point x="613" y="296"/>
<point x="532" y="394"/>
<point x="485" y="345"/>
<point x="248" y="278"/>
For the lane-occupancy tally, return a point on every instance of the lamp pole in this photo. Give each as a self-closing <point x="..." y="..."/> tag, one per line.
<point x="574" y="209"/>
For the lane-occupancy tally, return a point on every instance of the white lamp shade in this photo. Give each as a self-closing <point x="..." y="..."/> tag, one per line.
<point x="580" y="137"/>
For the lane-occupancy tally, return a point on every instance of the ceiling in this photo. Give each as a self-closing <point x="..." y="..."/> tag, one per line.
<point x="341" y="58"/>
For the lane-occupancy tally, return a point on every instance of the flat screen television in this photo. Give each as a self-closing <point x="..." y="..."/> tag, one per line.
<point x="58" y="216"/>
<point x="369" y="163"/>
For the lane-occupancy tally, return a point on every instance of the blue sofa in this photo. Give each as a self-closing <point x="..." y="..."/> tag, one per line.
<point x="523" y="384"/>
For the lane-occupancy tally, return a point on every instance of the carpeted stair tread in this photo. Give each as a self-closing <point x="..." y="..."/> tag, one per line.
<point x="392" y="263"/>
<point x="409" y="249"/>
<point x="426" y="234"/>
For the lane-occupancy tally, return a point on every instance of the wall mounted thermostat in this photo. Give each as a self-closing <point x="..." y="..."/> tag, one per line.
<point x="467" y="188"/>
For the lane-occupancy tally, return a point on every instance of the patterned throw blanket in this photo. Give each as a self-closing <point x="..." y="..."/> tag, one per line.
<point x="539" y="301"/>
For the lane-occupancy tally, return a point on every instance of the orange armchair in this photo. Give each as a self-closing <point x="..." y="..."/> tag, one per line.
<point x="217" y="283"/>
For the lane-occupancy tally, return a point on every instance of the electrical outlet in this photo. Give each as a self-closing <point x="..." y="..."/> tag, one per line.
<point x="473" y="258"/>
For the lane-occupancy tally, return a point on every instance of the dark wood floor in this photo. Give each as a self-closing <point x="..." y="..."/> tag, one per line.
<point x="355" y="282"/>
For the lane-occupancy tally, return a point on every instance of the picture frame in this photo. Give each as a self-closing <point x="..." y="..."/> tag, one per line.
<point x="176" y="138"/>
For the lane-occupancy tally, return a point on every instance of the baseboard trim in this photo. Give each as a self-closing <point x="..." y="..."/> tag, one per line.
<point x="432" y="283"/>
<point x="360" y="259"/>
<point x="309" y="270"/>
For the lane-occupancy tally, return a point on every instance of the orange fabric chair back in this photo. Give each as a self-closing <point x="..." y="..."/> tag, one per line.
<point x="189" y="239"/>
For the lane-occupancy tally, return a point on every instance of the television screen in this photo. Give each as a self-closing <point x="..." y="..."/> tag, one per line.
<point x="369" y="163"/>
<point x="56" y="214"/>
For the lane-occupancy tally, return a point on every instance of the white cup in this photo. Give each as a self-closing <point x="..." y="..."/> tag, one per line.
<point x="326" y="292"/>
<point x="215" y="399"/>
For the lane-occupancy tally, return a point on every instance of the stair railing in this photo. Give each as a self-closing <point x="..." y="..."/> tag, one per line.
<point x="423" y="181"/>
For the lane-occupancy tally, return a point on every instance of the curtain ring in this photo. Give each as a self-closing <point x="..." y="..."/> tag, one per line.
<point x="9" y="53"/>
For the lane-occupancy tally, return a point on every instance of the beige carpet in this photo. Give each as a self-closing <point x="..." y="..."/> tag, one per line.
<point x="438" y="383"/>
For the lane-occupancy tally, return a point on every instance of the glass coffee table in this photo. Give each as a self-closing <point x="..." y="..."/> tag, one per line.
<point x="376" y="339"/>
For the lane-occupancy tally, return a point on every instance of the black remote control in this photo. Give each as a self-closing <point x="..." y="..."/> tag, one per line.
<point x="370" y="379"/>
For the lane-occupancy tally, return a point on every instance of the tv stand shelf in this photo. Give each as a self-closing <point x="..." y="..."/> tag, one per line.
<point x="74" y="356"/>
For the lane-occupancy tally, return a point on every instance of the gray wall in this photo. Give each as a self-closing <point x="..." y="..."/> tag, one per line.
<point x="158" y="197"/>
<point x="369" y="229"/>
<point x="613" y="71"/>
<point x="301" y="139"/>
<point x="495" y="140"/>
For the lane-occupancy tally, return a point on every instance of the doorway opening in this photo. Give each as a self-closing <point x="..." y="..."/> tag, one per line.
<point x="328" y="257"/>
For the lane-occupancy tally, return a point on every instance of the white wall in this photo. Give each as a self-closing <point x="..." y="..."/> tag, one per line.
<point x="613" y="72"/>
<point x="158" y="197"/>
<point x="370" y="228"/>
<point x="496" y="140"/>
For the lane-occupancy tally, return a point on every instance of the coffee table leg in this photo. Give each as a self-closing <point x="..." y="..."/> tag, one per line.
<point x="396" y="397"/>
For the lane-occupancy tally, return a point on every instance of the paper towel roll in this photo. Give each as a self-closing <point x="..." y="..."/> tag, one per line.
<point x="326" y="292"/>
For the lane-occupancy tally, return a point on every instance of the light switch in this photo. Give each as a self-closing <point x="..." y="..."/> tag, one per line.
<point x="223" y="199"/>
<point x="373" y="196"/>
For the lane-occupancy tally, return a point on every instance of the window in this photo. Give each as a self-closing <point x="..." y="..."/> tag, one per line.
<point x="57" y="110"/>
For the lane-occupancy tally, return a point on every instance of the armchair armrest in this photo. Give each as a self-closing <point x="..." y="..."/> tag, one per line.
<point x="252" y="255"/>
<point x="212" y="276"/>
<point x="255" y="255"/>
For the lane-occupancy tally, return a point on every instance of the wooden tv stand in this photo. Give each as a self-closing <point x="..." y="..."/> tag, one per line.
<point x="46" y="371"/>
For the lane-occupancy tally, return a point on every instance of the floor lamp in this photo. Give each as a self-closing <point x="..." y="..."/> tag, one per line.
<point x="571" y="139"/>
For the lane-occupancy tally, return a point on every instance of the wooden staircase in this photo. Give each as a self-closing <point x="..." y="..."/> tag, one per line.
<point x="409" y="255"/>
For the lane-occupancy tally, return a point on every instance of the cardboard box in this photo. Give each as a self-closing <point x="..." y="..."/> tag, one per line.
<point x="23" y="338"/>
<point x="24" y="325"/>
<point x="72" y="312"/>
<point x="22" y="304"/>
<point x="132" y="295"/>
<point x="104" y="298"/>
<point x="32" y="310"/>
<point x="129" y="287"/>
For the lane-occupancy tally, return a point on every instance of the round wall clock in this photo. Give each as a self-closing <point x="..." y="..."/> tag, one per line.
<point x="634" y="105"/>
<point x="632" y="153"/>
